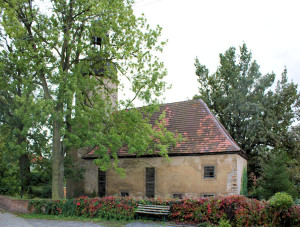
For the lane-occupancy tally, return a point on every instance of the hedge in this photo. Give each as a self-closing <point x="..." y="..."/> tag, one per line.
<point x="239" y="210"/>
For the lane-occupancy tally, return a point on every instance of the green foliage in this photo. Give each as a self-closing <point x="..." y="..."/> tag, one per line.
<point x="244" y="190"/>
<point x="37" y="206"/>
<point x="275" y="177"/>
<point x="62" y="90"/>
<point x="281" y="200"/>
<point x="9" y="179"/>
<point x="281" y="204"/>
<point x="21" y="132"/>
<point x="9" y="174"/>
<point x="43" y="191"/>
<point x="105" y="208"/>
<point x="255" y="192"/>
<point x="204" y="224"/>
<point x="224" y="223"/>
<point x="255" y="115"/>
<point x="293" y="162"/>
<point x="234" y="210"/>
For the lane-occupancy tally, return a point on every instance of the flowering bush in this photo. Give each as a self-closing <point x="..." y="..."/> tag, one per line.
<point x="243" y="211"/>
<point x="107" y="208"/>
<point x="236" y="210"/>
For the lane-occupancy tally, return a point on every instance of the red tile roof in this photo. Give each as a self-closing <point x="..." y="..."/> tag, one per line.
<point x="193" y="119"/>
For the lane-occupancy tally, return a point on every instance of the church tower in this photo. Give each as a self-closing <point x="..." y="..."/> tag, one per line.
<point x="105" y="73"/>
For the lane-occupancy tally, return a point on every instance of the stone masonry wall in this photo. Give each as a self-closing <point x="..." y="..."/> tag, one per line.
<point x="14" y="205"/>
<point x="75" y="181"/>
<point x="181" y="175"/>
<point x="232" y="178"/>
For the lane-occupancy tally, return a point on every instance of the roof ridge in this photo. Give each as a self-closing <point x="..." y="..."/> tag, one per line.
<point x="165" y="104"/>
<point x="170" y="103"/>
<point x="220" y="126"/>
<point x="195" y="121"/>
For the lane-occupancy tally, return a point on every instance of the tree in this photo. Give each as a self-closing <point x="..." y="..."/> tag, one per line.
<point x="8" y="177"/>
<point x="275" y="176"/>
<point x="73" y="81"/>
<point x="16" y="98"/>
<point x="255" y="115"/>
<point x="292" y="145"/>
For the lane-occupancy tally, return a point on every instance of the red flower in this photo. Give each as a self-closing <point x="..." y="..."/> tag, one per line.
<point x="78" y="204"/>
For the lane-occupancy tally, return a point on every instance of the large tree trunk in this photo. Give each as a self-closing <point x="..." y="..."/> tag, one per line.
<point x="61" y="174"/>
<point x="57" y="163"/>
<point x="24" y="165"/>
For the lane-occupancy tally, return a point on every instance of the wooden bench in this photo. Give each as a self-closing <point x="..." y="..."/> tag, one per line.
<point x="153" y="209"/>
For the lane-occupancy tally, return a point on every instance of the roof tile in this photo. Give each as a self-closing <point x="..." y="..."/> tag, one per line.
<point x="193" y="119"/>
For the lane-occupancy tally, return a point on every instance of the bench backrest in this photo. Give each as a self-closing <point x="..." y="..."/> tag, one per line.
<point x="153" y="209"/>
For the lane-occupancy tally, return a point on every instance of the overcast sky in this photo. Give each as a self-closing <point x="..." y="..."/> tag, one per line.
<point x="205" y="28"/>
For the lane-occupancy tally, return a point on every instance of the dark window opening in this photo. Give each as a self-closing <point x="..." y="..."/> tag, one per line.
<point x="177" y="196"/>
<point x="150" y="182"/>
<point x="209" y="171"/>
<point x="101" y="183"/>
<point x="208" y="195"/>
<point x="124" y="194"/>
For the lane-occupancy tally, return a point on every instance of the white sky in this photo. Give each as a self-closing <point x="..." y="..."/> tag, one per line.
<point x="271" y="30"/>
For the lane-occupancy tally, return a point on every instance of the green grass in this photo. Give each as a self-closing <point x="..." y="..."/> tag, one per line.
<point x="100" y="221"/>
<point x="74" y="218"/>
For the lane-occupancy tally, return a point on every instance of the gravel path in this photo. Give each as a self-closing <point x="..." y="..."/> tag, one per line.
<point x="11" y="220"/>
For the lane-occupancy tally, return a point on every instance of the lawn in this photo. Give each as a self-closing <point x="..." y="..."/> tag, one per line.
<point x="74" y="218"/>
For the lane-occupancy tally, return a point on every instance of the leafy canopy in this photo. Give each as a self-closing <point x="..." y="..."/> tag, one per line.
<point x="254" y="114"/>
<point x="71" y="60"/>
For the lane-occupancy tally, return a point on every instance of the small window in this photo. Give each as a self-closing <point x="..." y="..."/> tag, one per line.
<point x="209" y="171"/>
<point x="208" y="195"/>
<point x="101" y="183"/>
<point x="150" y="182"/>
<point x="177" y="196"/>
<point x="124" y="194"/>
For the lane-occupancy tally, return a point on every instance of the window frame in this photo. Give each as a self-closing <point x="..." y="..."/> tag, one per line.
<point x="177" y="195"/>
<point x="122" y="194"/>
<point x="205" y="176"/>
<point x="208" y="195"/>
<point x="102" y="180"/>
<point x="149" y="183"/>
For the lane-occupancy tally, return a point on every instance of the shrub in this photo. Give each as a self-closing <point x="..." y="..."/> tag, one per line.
<point x="37" y="206"/>
<point x="237" y="210"/>
<point x="42" y="191"/>
<point x="294" y="215"/>
<point x="283" y="214"/>
<point x="224" y="223"/>
<point x="281" y="200"/>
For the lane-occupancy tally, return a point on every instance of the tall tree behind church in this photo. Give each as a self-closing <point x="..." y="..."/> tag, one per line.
<point x="256" y="113"/>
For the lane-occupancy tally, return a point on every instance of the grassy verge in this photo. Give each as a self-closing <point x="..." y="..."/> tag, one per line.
<point x="100" y="221"/>
<point x="82" y="219"/>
